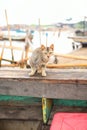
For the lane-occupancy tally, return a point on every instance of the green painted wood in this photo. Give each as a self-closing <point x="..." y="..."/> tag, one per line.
<point x="47" y="104"/>
<point x="24" y="99"/>
<point x="64" y="102"/>
<point x="30" y="100"/>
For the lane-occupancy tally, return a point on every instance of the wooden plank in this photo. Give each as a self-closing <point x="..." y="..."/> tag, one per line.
<point x="29" y="112"/>
<point x="52" y="66"/>
<point x="64" y="84"/>
<point x="67" y="65"/>
<point x="72" y="56"/>
<point x="20" y="125"/>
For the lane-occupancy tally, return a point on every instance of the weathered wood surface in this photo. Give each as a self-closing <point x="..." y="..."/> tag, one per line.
<point x="28" y="112"/>
<point x="20" y="125"/>
<point x="59" y="83"/>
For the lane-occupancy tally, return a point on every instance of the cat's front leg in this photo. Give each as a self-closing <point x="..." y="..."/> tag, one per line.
<point x="43" y="70"/>
<point x="33" y="70"/>
<point x="44" y="73"/>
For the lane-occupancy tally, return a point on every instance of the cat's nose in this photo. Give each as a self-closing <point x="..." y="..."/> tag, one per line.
<point x="48" y="56"/>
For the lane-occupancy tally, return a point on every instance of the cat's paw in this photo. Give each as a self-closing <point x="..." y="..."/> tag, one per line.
<point x="44" y="74"/>
<point x="31" y="74"/>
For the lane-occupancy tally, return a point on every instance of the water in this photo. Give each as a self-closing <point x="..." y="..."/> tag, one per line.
<point x="62" y="45"/>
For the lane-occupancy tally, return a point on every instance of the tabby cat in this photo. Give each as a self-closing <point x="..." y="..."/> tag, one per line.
<point x="39" y="59"/>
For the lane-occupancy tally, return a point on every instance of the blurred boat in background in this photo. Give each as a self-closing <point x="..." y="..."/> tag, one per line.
<point x="15" y="35"/>
<point x="80" y="36"/>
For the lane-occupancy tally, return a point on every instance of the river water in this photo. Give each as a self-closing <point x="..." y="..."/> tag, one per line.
<point x="62" y="45"/>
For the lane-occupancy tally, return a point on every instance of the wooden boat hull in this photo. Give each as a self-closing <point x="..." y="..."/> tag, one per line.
<point x="81" y="39"/>
<point x="15" y="38"/>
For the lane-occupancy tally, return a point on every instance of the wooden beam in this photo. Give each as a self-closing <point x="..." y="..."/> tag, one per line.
<point x="29" y="111"/>
<point x="1" y="57"/>
<point x="67" y="65"/>
<point x="20" y="125"/>
<point x="71" y="56"/>
<point x="51" y="66"/>
<point x="62" y="84"/>
<point x="9" y="35"/>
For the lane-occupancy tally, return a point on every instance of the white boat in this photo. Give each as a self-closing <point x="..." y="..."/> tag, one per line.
<point x="20" y="36"/>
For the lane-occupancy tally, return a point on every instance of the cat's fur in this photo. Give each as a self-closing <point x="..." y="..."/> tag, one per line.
<point x="39" y="59"/>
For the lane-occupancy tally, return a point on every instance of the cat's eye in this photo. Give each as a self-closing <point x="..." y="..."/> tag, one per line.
<point x="50" y="52"/>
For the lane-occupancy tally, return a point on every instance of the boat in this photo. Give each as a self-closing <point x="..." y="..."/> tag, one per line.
<point x="14" y="35"/>
<point x="81" y="39"/>
<point x="16" y="38"/>
<point x="1" y="36"/>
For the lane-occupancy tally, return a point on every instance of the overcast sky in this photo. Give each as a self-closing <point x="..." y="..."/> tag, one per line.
<point x="49" y="11"/>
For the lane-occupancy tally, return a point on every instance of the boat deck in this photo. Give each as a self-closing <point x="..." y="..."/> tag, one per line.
<point x="17" y="89"/>
<point x="58" y="84"/>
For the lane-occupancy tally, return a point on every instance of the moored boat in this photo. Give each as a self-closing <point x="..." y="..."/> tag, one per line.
<point x="14" y="35"/>
<point x="16" y="38"/>
<point x="81" y="39"/>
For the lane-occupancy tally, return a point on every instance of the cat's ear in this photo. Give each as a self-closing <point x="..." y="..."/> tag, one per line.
<point x="42" y="47"/>
<point x="52" y="46"/>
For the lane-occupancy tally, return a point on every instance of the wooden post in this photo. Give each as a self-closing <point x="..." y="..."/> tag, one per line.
<point x="9" y="35"/>
<point x="46" y="39"/>
<point x="46" y="108"/>
<point x="59" y="32"/>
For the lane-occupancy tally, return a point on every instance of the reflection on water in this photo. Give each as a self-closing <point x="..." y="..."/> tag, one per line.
<point x="62" y="44"/>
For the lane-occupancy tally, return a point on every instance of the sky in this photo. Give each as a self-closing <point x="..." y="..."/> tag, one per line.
<point x="48" y="11"/>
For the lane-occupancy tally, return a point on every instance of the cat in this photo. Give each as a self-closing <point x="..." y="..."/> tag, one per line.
<point x="39" y="58"/>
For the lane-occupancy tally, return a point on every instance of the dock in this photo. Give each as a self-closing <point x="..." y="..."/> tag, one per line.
<point x="31" y="102"/>
<point x="18" y="92"/>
